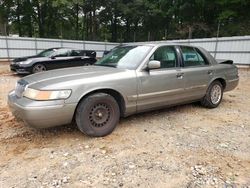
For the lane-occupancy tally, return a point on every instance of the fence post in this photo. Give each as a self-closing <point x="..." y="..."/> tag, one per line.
<point x="61" y="42"/>
<point x="217" y="37"/>
<point x="83" y="42"/>
<point x="36" y="45"/>
<point x="7" y="47"/>
<point x="216" y="46"/>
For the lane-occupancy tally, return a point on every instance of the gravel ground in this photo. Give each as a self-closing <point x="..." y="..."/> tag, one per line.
<point x="184" y="146"/>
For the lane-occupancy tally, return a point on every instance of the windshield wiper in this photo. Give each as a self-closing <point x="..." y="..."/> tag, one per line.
<point x="105" y="65"/>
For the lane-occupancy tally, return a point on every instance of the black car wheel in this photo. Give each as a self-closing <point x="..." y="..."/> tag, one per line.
<point x="87" y="64"/>
<point x="38" y="68"/>
<point x="213" y="96"/>
<point x="97" y="115"/>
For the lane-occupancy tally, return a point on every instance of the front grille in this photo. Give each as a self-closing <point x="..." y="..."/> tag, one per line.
<point x="20" y="87"/>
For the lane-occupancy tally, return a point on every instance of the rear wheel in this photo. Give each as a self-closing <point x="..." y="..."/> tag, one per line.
<point x="97" y="115"/>
<point x="38" y="68"/>
<point x="213" y="96"/>
<point x="87" y="64"/>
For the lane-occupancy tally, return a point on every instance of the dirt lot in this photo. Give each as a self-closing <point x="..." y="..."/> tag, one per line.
<point x="184" y="146"/>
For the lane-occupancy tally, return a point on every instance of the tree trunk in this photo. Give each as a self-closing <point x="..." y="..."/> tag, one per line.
<point x="85" y="24"/>
<point x="18" y="19"/>
<point x="30" y="29"/>
<point x="90" y="25"/>
<point x="135" y="29"/>
<point x="39" y="20"/>
<point x="190" y="32"/>
<point x="2" y="26"/>
<point x="114" y="24"/>
<point x="94" y="22"/>
<point x="77" y="21"/>
<point x="127" y="30"/>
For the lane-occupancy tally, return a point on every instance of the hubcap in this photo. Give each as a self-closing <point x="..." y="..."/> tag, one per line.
<point x="39" y="68"/>
<point x="216" y="94"/>
<point x="99" y="115"/>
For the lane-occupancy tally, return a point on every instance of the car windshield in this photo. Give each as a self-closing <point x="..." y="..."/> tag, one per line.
<point x="46" y="53"/>
<point x="128" y="57"/>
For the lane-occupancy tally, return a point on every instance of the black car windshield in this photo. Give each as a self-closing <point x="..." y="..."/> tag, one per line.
<point x="46" y="53"/>
<point x="128" y="57"/>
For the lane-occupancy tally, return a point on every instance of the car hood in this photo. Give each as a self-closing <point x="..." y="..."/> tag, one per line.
<point x="19" y="59"/>
<point x="66" y="78"/>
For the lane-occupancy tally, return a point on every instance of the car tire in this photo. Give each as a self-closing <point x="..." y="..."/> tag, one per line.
<point x="213" y="96"/>
<point x="38" y="68"/>
<point x="97" y="115"/>
<point x="87" y="64"/>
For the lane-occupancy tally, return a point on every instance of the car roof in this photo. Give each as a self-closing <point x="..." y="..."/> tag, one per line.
<point x="57" y="48"/>
<point x="157" y="44"/>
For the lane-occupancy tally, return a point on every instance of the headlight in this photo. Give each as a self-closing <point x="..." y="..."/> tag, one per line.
<point x="25" y="62"/>
<point x="46" y="94"/>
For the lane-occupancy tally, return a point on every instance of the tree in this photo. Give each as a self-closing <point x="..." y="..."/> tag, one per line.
<point x="124" y="20"/>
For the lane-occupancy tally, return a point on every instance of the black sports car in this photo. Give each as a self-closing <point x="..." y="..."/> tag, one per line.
<point x="53" y="58"/>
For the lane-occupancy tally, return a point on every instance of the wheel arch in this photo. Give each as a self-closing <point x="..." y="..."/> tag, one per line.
<point x="221" y="80"/>
<point x="114" y="93"/>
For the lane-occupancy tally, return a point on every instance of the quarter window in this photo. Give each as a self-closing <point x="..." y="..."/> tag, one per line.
<point x="166" y="55"/>
<point x="191" y="57"/>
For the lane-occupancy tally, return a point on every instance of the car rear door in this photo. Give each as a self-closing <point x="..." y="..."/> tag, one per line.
<point x="77" y="58"/>
<point x="197" y="72"/>
<point x="163" y="86"/>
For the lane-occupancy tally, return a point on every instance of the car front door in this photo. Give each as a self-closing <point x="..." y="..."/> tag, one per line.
<point x="197" y="72"/>
<point x="60" y="59"/>
<point x="163" y="86"/>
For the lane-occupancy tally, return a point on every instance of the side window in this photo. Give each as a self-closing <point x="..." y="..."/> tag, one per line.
<point x="192" y="57"/>
<point x="61" y="53"/>
<point x="75" y="53"/>
<point x="166" y="55"/>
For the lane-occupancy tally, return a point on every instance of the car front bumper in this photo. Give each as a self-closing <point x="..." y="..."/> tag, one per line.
<point x="41" y="114"/>
<point x="19" y="69"/>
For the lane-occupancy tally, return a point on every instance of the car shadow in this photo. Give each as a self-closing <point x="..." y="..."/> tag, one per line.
<point x="71" y="131"/>
<point x="163" y="111"/>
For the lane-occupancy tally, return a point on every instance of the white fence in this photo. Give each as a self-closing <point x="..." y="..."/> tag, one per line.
<point x="234" y="48"/>
<point x="11" y="47"/>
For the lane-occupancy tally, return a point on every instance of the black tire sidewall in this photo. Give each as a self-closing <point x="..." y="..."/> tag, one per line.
<point x="87" y="64"/>
<point x="82" y="115"/>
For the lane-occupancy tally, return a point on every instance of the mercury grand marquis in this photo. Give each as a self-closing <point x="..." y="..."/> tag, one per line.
<point x="130" y="79"/>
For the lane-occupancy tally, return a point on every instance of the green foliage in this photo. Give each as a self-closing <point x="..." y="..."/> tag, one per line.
<point x="124" y="20"/>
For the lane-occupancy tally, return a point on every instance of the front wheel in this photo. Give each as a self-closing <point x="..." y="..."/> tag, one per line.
<point x="38" y="68"/>
<point x="213" y="96"/>
<point x="97" y="115"/>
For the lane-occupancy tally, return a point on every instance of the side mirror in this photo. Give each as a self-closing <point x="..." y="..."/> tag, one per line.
<point x="52" y="57"/>
<point x="153" y="64"/>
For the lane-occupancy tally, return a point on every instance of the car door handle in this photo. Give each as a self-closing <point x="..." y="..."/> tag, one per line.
<point x="210" y="72"/>
<point x="179" y="75"/>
